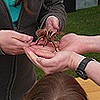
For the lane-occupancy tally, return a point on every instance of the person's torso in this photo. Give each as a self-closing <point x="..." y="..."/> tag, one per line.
<point x="16" y="72"/>
<point x="13" y="10"/>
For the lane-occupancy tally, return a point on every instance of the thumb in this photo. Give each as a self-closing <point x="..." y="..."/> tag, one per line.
<point x="45" y="62"/>
<point x="55" y="25"/>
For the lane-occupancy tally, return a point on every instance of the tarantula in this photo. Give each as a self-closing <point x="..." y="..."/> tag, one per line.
<point x="47" y="36"/>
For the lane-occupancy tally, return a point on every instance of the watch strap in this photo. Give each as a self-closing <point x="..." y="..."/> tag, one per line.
<point x="81" y="68"/>
<point x="84" y="63"/>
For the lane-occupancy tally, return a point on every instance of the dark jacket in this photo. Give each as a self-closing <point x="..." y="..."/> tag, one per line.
<point x="16" y="72"/>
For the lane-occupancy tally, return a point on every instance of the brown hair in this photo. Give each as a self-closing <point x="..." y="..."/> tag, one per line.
<point x="25" y="5"/>
<point x="57" y="86"/>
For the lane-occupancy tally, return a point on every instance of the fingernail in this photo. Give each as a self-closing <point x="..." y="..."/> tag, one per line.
<point x="30" y="38"/>
<point x="24" y="48"/>
<point x="38" y="59"/>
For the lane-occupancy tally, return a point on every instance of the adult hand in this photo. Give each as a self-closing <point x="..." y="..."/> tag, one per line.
<point x="48" y="65"/>
<point x="52" y="23"/>
<point x="34" y="58"/>
<point x="70" y="42"/>
<point x="73" y="42"/>
<point x="58" y="63"/>
<point x="12" y="42"/>
<point x="63" y="60"/>
<point x="47" y="51"/>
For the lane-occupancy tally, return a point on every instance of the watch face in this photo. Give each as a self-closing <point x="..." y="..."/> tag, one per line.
<point x="81" y="74"/>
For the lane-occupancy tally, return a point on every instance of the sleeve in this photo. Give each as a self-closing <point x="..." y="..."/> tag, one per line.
<point x="1" y="52"/>
<point x="53" y="8"/>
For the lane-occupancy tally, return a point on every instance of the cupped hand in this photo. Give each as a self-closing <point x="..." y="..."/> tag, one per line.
<point x="33" y="57"/>
<point x="60" y="62"/>
<point x="69" y="42"/>
<point x="73" y="42"/>
<point x="47" y="51"/>
<point x="12" y="42"/>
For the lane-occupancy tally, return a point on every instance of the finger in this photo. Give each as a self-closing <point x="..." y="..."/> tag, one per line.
<point x="55" y="61"/>
<point x="20" y="51"/>
<point x="46" y="48"/>
<point x="53" y="21"/>
<point x="55" y="25"/>
<point x="43" y="53"/>
<point x="51" y="27"/>
<point x="32" y="56"/>
<point x="14" y="51"/>
<point x="22" y="37"/>
<point x="46" y="62"/>
<point x="29" y="42"/>
<point x="32" y="44"/>
<point x="19" y="44"/>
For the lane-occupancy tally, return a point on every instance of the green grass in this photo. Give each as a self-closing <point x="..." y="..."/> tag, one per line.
<point x="83" y="22"/>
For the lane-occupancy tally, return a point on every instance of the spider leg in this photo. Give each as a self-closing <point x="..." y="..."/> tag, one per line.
<point x="45" y="42"/>
<point x="57" y="38"/>
<point x="59" y="43"/>
<point x="37" y="41"/>
<point x="54" y="45"/>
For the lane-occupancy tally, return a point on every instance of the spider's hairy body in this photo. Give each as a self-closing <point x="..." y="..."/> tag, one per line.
<point x="47" y="36"/>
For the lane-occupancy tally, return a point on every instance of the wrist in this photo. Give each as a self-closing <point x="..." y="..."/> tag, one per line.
<point x="82" y="67"/>
<point x="76" y="59"/>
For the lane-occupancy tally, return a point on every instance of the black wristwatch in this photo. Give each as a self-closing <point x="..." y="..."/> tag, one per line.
<point x="81" y="68"/>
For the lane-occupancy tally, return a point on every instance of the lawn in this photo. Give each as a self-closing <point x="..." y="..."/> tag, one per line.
<point x="83" y="22"/>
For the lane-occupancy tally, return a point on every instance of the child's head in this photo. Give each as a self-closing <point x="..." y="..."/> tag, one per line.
<point x="57" y="86"/>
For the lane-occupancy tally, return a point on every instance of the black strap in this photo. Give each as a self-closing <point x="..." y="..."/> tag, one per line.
<point x="84" y="63"/>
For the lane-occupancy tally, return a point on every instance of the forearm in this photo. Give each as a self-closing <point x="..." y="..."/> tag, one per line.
<point x="92" y="69"/>
<point x="92" y="43"/>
